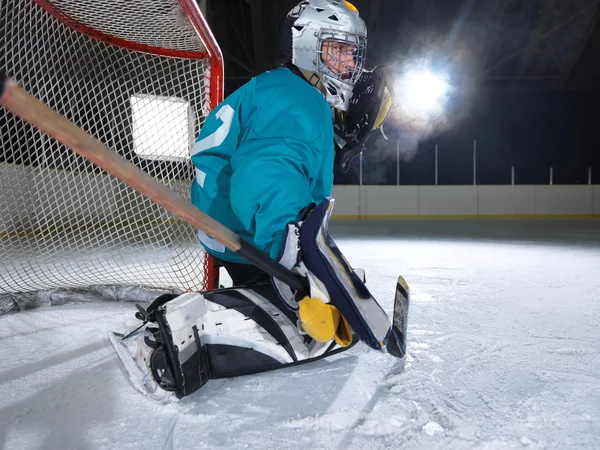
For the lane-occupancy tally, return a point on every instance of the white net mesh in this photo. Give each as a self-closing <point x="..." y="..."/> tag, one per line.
<point x="63" y="222"/>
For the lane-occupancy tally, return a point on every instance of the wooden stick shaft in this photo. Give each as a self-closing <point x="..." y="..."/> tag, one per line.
<point x="38" y="114"/>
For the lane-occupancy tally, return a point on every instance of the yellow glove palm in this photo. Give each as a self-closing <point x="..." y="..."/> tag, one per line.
<point x="323" y="321"/>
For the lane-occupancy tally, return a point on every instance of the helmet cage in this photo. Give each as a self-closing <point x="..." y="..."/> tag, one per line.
<point x="312" y="23"/>
<point x="348" y="75"/>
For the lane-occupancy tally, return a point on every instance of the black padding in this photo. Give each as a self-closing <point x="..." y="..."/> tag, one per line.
<point x="160" y="364"/>
<point x="159" y="301"/>
<point x="272" y="267"/>
<point x="286" y="42"/>
<point x="171" y="351"/>
<point x="268" y="291"/>
<point x="183" y="377"/>
<point x="196" y="370"/>
<point x="231" y="361"/>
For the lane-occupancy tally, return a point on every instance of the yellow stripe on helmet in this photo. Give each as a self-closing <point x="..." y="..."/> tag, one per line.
<point x="350" y="6"/>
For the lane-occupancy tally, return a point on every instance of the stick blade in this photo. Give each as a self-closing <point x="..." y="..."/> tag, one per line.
<point x="396" y="345"/>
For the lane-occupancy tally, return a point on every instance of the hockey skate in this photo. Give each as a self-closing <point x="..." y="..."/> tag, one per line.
<point x="134" y="353"/>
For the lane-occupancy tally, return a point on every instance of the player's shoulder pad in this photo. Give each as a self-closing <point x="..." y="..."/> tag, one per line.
<point x="289" y="107"/>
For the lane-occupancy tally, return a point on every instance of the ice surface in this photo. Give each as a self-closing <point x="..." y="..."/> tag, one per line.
<point x="503" y="352"/>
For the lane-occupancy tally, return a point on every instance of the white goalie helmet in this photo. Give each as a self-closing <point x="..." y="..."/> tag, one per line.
<point x="328" y="38"/>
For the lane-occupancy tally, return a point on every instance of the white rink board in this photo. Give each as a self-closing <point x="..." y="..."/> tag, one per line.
<point x="447" y="200"/>
<point x="466" y="201"/>
<point x="570" y="200"/>
<point x="379" y="198"/>
<point x="506" y="200"/>
<point x="347" y="201"/>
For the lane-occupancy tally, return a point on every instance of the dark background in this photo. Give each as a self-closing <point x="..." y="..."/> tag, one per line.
<point x="526" y="77"/>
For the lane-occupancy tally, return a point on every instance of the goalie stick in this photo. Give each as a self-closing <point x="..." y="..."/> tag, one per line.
<point x="27" y="107"/>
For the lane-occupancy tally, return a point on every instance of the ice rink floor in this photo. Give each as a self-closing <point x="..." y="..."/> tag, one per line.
<point x="504" y="352"/>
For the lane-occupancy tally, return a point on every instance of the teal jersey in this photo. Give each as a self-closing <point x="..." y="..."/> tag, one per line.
<point x="263" y="154"/>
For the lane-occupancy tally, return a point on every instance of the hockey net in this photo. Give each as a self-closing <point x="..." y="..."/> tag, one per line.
<point x="137" y="76"/>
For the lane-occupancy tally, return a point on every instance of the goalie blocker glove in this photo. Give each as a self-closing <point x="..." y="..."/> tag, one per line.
<point x="335" y="289"/>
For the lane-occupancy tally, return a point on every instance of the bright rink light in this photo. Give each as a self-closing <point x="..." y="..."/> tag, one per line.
<point x="421" y="94"/>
